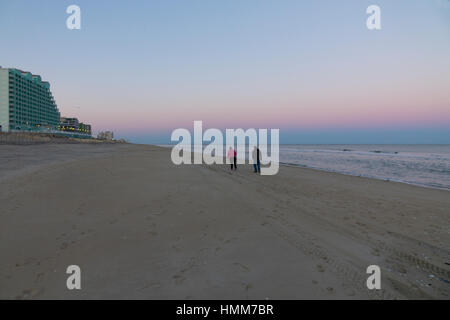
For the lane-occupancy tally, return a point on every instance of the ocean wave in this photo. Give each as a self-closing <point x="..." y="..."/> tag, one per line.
<point x="418" y="165"/>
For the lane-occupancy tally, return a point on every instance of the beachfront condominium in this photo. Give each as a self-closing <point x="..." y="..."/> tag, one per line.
<point x="74" y="126"/>
<point x="26" y="103"/>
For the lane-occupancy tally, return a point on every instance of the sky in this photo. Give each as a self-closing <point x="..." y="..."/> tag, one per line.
<point x="309" y="68"/>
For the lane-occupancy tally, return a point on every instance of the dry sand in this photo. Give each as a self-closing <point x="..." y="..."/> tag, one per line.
<point x="141" y="227"/>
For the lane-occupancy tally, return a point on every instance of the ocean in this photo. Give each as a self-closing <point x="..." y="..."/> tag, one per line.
<point x="424" y="165"/>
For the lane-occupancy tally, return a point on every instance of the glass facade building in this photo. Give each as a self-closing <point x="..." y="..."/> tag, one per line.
<point x="26" y="103"/>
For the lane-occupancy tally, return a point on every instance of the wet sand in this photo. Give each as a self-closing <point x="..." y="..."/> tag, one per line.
<point x="140" y="227"/>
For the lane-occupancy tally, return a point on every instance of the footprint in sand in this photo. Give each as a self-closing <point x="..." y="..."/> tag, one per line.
<point x="376" y="252"/>
<point x="179" y="279"/>
<point x="401" y="269"/>
<point x="151" y="285"/>
<point x="30" y="293"/>
<point x="229" y="240"/>
<point x="243" y="267"/>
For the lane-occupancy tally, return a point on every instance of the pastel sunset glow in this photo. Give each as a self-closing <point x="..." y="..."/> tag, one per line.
<point x="310" y="68"/>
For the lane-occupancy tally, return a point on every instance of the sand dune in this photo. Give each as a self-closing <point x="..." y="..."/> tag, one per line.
<point x="140" y="227"/>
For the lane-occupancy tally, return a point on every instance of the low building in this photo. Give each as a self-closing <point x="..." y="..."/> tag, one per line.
<point x="68" y="124"/>
<point x="74" y="126"/>
<point x="85" y="128"/>
<point x="105" y="135"/>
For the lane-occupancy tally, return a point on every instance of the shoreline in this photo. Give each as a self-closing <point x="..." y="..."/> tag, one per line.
<point x="292" y="165"/>
<point x="364" y="176"/>
<point x="348" y="173"/>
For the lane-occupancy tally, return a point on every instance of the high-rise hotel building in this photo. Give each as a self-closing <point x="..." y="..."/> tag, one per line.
<point x="26" y="103"/>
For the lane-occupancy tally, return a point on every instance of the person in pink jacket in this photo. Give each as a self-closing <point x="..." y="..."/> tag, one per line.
<point x="232" y="154"/>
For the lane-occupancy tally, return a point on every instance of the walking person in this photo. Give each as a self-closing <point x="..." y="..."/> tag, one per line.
<point x="256" y="155"/>
<point x="232" y="156"/>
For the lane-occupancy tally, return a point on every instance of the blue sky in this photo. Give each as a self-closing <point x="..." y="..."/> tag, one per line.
<point x="310" y="68"/>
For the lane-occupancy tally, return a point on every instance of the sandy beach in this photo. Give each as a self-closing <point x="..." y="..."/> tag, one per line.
<point x="140" y="227"/>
